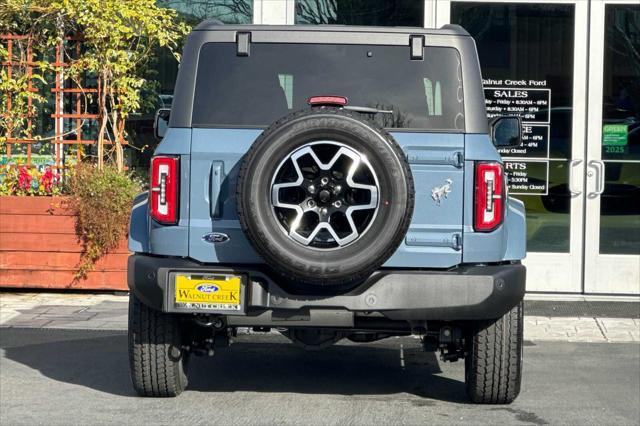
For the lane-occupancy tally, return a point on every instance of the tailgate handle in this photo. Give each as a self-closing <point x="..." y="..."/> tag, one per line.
<point x="215" y="185"/>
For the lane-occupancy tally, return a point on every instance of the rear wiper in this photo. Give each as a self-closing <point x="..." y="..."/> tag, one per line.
<point x="367" y="110"/>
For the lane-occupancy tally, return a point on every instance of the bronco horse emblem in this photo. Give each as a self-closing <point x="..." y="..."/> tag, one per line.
<point x="440" y="192"/>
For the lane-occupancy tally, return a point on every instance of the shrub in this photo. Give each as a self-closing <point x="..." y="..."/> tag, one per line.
<point x="101" y="200"/>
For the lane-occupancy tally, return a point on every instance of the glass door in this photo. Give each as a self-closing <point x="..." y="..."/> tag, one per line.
<point x="612" y="226"/>
<point x="534" y="60"/>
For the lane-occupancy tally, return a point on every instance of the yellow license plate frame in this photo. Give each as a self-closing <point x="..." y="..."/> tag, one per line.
<point x="208" y="292"/>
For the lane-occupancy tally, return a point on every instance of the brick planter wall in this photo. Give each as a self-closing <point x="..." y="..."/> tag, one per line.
<point x="39" y="249"/>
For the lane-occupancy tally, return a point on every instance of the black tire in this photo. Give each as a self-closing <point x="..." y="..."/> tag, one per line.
<point x="156" y="361"/>
<point x="346" y="265"/>
<point x="493" y="366"/>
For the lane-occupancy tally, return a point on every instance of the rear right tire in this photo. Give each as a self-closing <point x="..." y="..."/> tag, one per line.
<point x="493" y="365"/>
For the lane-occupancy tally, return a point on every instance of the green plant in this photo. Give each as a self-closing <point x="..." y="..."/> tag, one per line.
<point x="101" y="200"/>
<point x="118" y="39"/>
<point x="19" y="102"/>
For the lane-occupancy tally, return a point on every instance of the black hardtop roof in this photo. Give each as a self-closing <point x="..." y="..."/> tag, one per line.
<point x="215" y="25"/>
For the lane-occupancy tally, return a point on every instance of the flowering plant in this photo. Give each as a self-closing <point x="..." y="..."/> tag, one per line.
<point x="18" y="179"/>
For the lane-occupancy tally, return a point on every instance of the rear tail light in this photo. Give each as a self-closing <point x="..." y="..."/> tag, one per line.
<point x="489" y="196"/>
<point x="164" y="190"/>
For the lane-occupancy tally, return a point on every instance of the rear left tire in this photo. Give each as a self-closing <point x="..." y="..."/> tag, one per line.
<point x="157" y="362"/>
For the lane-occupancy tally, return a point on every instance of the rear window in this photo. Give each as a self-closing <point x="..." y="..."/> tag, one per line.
<point x="277" y="79"/>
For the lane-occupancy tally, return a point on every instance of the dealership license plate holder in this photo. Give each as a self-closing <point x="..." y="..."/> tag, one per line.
<point x="206" y="278"/>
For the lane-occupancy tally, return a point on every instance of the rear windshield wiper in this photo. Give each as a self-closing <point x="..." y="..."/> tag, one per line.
<point x="367" y="110"/>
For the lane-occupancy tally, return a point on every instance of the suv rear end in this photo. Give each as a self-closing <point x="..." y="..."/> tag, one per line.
<point x="331" y="182"/>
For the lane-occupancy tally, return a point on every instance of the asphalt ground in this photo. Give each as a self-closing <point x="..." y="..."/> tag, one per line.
<point x="55" y="376"/>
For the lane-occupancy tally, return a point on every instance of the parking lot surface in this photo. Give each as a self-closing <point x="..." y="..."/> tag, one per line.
<point x="57" y="376"/>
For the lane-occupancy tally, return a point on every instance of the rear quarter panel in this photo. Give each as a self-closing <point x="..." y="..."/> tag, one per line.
<point x="508" y="241"/>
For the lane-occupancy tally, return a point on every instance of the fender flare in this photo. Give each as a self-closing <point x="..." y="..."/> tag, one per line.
<point x="139" y="224"/>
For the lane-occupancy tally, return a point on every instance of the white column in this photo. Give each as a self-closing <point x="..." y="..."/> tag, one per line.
<point x="273" y="12"/>
<point x="257" y="11"/>
<point x="442" y="13"/>
<point x="430" y="10"/>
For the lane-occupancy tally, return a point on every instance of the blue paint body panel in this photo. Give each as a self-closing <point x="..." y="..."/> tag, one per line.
<point x="139" y="224"/>
<point x="508" y="241"/>
<point x="441" y="233"/>
<point x="431" y="239"/>
<point x="218" y="150"/>
<point x="166" y="240"/>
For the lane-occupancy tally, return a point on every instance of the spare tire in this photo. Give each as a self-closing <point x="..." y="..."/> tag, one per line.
<point x="325" y="197"/>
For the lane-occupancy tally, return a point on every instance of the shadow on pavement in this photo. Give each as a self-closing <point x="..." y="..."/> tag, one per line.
<point x="94" y="359"/>
<point x="99" y="360"/>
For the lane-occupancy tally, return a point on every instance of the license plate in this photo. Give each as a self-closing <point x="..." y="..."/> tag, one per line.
<point x="210" y="292"/>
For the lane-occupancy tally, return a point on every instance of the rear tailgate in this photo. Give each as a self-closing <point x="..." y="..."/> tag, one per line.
<point x="238" y="93"/>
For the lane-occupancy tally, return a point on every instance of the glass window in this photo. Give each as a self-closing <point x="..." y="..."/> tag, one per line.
<point x="276" y="79"/>
<point x="162" y="69"/>
<point x="165" y="67"/>
<point x="226" y="11"/>
<point x="620" y="202"/>
<point x="526" y="56"/>
<point x="361" y="12"/>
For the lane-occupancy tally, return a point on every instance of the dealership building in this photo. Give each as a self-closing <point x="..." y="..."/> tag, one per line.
<point x="571" y="70"/>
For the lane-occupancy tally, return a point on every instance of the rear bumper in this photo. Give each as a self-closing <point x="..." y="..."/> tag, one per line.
<point x="466" y="293"/>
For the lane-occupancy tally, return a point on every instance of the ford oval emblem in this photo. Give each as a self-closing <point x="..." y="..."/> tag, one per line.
<point x="207" y="288"/>
<point x="215" y="238"/>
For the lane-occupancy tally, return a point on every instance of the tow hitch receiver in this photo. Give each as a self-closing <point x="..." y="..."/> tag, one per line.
<point x="451" y="343"/>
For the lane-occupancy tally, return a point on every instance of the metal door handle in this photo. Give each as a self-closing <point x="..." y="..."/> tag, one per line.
<point x="598" y="166"/>
<point x="572" y="164"/>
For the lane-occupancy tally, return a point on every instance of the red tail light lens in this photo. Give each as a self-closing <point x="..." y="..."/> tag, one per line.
<point x="164" y="190"/>
<point x="489" y="196"/>
<point x="327" y="100"/>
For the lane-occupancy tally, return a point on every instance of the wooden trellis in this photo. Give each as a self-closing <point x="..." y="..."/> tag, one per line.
<point x="68" y="98"/>
<point x="9" y="65"/>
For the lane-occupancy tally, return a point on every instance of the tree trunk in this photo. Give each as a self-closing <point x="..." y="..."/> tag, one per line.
<point x="102" y="107"/>
<point x="117" y="138"/>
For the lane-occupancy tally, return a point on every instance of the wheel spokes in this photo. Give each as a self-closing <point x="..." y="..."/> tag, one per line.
<point x="324" y="195"/>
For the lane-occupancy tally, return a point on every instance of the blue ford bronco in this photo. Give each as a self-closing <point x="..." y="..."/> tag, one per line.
<point x="329" y="183"/>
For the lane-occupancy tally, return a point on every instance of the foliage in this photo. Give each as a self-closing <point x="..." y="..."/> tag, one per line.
<point x="22" y="180"/>
<point x="16" y="90"/>
<point x="101" y="200"/>
<point x="118" y="38"/>
<point x="35" y="23"/>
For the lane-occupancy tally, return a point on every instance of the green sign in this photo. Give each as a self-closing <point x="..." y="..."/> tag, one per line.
<point x="36" y="159"/>
<point x="614" y="134"/>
